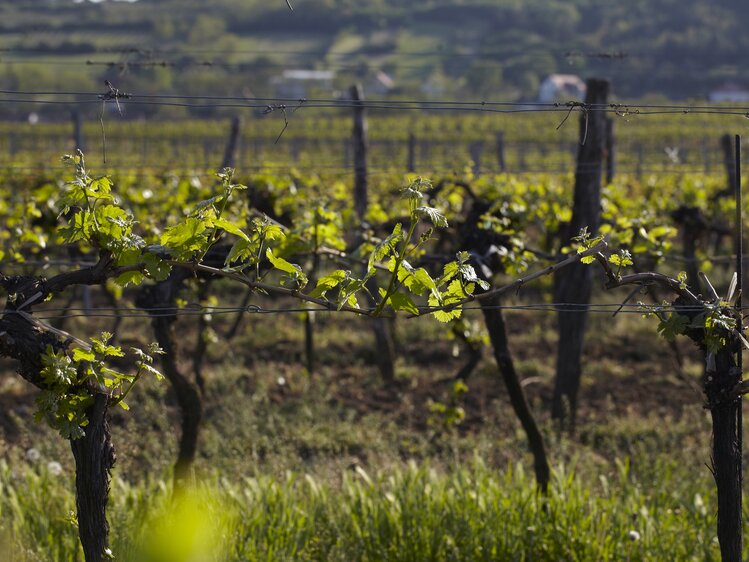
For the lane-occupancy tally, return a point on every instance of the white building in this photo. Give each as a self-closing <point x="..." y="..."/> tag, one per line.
<point x="295" y="84"/>
<point x="561" y="87"/>
<point x="729" y="92"/>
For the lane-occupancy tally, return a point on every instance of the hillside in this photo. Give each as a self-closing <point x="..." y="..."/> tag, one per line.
<point x="497" y="49"/>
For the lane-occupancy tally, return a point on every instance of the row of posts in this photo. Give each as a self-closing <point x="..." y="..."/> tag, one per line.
<point x="419" y="149"/>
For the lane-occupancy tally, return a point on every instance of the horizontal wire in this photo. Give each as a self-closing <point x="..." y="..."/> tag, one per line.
<point x="623" y="109"/>
<point x="604" y="308"/>
<point x="282" y="100"/>
<point x="44" y="264"/>
<point x="210" y="309"/>
<point x="337" y="105"/>
<point x="744" y="112"/>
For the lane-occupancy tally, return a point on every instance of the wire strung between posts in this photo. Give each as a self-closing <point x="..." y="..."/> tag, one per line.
<point x="744" y="112"/>
<point x="254" y="309"/>
<point x="444" y="105"/>
<point x="721" y="258"/>
<point x="563" y="106"/>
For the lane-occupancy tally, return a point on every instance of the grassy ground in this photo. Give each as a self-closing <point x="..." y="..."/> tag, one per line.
<point x="334" y="466"/>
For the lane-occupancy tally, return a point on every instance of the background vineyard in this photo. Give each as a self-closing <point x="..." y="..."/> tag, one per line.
<point x="358" y="441"/>
<point x="321" y="144"/>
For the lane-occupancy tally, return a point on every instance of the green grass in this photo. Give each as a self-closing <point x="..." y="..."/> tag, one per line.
<point x="410" y="513"/>
<point x="298" y="472"/>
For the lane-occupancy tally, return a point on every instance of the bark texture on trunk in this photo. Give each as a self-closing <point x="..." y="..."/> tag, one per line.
<point x="94" y="459"/>
<point x="727" y="459"/>
<point x="573" y="284"/>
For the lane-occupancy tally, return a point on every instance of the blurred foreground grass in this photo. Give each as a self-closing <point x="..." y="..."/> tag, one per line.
<point x="412" y="513"/>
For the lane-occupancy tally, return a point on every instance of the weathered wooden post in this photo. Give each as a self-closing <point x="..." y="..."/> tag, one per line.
<point x="359" y="143"/>
<point x="12" y="143"/>
<point x="475" y="149"/>
<point x="693" y="225"/>
<point x="385" y="355"/>
<point x="726" y="147"/>
<point x="521" y="156"/>
<point x="500" y="148"/>
<point x="295" y="150"/>
<point x="573" y="285"/>
<point x="230" y="152"/>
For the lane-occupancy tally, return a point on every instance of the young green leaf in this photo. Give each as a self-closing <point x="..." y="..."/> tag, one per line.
<point x="155" y="267"/>
<point x="185" y="238"/>
<point x="386" y="246"/>
<point x="399" y="301"/>
<point x="438" y="219"/>
<point x="281" y="264"/>
<point x="330" y="281"/>
<point x="674" y="325"/>
<point x="231" y="228"/>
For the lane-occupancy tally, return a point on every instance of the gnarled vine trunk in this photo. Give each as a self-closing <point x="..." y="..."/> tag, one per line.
<point x="94" y="459"/>
<point x="495" y="324"/>
<point x="726" y="456"/>
<point x="160" y="298"/>
<point x="722" y="386"/>
<point x="25" y="339"/>
<point x="188" y="399"/>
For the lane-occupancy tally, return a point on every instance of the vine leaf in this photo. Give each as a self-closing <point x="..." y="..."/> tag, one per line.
<point x="438" y="219"/>
<point x="385" y="246"/>
<point x="294" y="271"/>
<point x="231" y="228"/>
<point x="399" y="301"/>
<point x="674" y="325"/>
<point x="330" y="281"/>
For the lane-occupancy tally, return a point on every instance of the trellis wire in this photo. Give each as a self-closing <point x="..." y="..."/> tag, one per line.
<point x="197" y="310"/>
